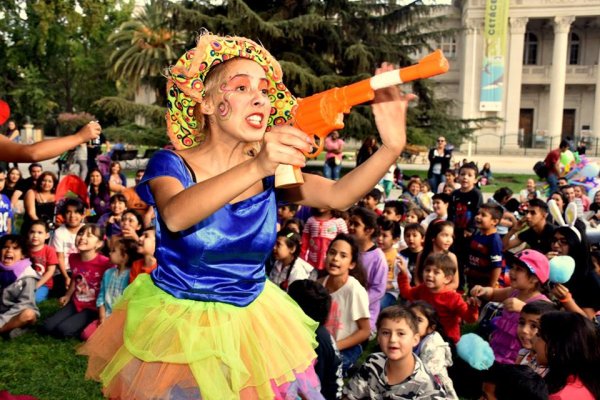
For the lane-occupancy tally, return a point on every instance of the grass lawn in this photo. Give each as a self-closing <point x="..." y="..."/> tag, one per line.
<point x="45" y="367"/>
<point x="516" y="182"/>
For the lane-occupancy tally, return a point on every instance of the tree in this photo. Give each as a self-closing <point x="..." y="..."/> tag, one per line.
<point x="320" y="44"/>
<point x="58" y="51"/>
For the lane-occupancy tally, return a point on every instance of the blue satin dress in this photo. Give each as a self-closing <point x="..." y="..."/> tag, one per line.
<point x="220" y="259"/>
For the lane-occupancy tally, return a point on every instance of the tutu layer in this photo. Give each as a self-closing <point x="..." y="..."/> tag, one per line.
<point x="155" y="346"/>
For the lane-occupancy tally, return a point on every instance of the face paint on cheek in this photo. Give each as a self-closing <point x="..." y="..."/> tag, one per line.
<point x="224" y="110"/>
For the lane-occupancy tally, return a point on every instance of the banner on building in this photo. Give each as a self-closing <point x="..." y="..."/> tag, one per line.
<point x="494" y="55"/>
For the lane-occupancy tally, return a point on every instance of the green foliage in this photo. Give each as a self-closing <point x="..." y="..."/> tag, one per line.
<point x="56" y="53"/>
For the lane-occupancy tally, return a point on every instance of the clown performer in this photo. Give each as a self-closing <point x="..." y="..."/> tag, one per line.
<point x="206" y="323"/>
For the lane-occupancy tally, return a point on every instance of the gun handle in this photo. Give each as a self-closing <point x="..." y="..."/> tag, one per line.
<point x="287" y="176"/>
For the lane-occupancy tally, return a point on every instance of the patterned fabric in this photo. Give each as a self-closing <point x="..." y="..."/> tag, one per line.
<point x="186" y="84"/>
<point x="112" y="287"/>
<point x="370" y="382"/>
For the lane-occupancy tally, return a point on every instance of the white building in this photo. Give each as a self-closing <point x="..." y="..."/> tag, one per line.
<point x="551" y="85"/>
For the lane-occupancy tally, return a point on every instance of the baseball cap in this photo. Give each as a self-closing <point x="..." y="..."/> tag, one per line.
<point x="536" y="262"/>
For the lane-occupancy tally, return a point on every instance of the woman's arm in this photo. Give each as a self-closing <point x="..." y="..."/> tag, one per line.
<point x="359" y="336"/>
<point x="15" y="152"/>
<point x="389" y="110"/>
<point x="30" y="204"/>
<point x="283" y="144"/>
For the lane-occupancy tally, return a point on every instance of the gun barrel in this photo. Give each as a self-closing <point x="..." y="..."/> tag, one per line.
<point x="431" y="65"/>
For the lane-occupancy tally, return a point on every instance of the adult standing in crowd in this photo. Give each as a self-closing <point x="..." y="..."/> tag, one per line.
<point x="14" y="135"/>
<point x="334" y="146"/>
<point x="40" y="201"/>
<point x="552" y="162"/>
<point x="439" y="162"/>
<point x="367" y="149"/>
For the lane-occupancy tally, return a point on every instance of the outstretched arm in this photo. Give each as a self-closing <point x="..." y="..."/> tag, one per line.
<point x="389" y="110"/>
<point x="15" y="152"/>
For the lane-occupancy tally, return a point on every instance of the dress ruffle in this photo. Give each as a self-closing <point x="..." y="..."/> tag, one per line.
<point x="155" y="346"/>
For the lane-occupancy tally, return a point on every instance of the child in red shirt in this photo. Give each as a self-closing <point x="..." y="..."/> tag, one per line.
<point x="43" y="258"/>
<point x="438" y="271"/>
<point x="146" y="247"/>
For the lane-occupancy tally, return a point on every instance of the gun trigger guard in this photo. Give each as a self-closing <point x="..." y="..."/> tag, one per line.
<point x="317" y="150"/>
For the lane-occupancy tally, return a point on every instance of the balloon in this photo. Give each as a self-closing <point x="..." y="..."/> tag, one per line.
<point x="591" y="170"/>
<point x="561" y="269"/>
<point x="4" y="112"/>
<point x="567" y="158"/>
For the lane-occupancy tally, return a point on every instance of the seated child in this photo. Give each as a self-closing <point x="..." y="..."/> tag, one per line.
<point x="43" y="258"/>
<point x="314" y="300"/>
<point x="513" y="382"/>
<point x="348" y="320"/>
<point x="414" y="236"/>
<point x="389" y="233"/>
<point x="529" y="271"/>
<point x="288" y="266"/>
<point x="285" y="212"/>
<point x="111" y="221"/>
<point x="372" y="199"/>
<point x="529" y="324"/>
<point x="17" y="287"/>
<point x="439" y="203"/>
<point x="146" y="247"/>
<point x="363" y="226"/>
<point x="63" y="242"/>
<point x="438" y="272"/>
<point x="396" y="372"/>
<point x="433" y="348"/>
<point x="79" y="304"/>
<point x="567" y="344"/>
<point x="122" y="254"/>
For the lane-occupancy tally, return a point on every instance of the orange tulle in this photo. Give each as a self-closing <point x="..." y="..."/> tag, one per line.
<point x="154" y="346"/>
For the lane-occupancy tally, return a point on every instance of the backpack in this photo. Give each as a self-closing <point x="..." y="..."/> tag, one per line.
<point x="540" y="169"/>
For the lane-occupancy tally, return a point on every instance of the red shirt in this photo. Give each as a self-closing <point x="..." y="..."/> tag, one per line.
<point x="138" y="267"/>
<point x="551" y="160"/>
<point x="42" y="259"/>
<point x="449" y="305"/>
<point x="87" y="276"/>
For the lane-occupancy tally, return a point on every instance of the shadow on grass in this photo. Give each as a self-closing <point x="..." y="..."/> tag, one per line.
<point x="45" y="367"/>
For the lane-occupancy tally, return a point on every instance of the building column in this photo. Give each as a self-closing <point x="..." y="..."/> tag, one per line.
<point x="562" y="26"/>
<point x="514" y="74"/>
<point x="596" y="120"/>
<point x="468" y="67"/>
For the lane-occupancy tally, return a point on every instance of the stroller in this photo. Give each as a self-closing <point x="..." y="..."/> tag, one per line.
<point x="70" y="186"/>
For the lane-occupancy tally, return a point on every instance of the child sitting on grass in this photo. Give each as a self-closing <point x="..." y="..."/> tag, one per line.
<point x="115" y="280"/>
<point x="528" y="273"/>
<point x="17" y="287"/>
<point x="529" y="326"/>
<point x="79" y="304"/>
<point x="396" y="372"/>
<point x="438" y="272"/>
<point x="43" y="258"/>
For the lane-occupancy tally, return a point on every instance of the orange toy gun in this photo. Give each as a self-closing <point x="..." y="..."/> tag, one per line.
<point x="322" y="113"/>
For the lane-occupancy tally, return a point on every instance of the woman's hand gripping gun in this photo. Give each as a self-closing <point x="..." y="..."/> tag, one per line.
<point x="320" y="114"/>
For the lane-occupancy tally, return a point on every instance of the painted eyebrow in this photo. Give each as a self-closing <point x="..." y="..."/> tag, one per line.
<point x="247" y="76"/>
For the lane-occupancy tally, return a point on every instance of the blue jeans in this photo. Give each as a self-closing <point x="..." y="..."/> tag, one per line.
<point x="552" y="183"/>
<point x="41" y="294"/>
<point x="332" y="170"/>
<point x="388" y="300"/>
<point x="435" y="181"/>
<point x="350" y="357"/>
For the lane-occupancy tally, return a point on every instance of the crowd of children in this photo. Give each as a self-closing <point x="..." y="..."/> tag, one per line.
<point x="429" y="274"/>
<point x="86" y="266"/>
<point x="462" y="264"/>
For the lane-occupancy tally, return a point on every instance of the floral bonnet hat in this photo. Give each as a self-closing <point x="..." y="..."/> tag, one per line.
<point x="185" y="87"/>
